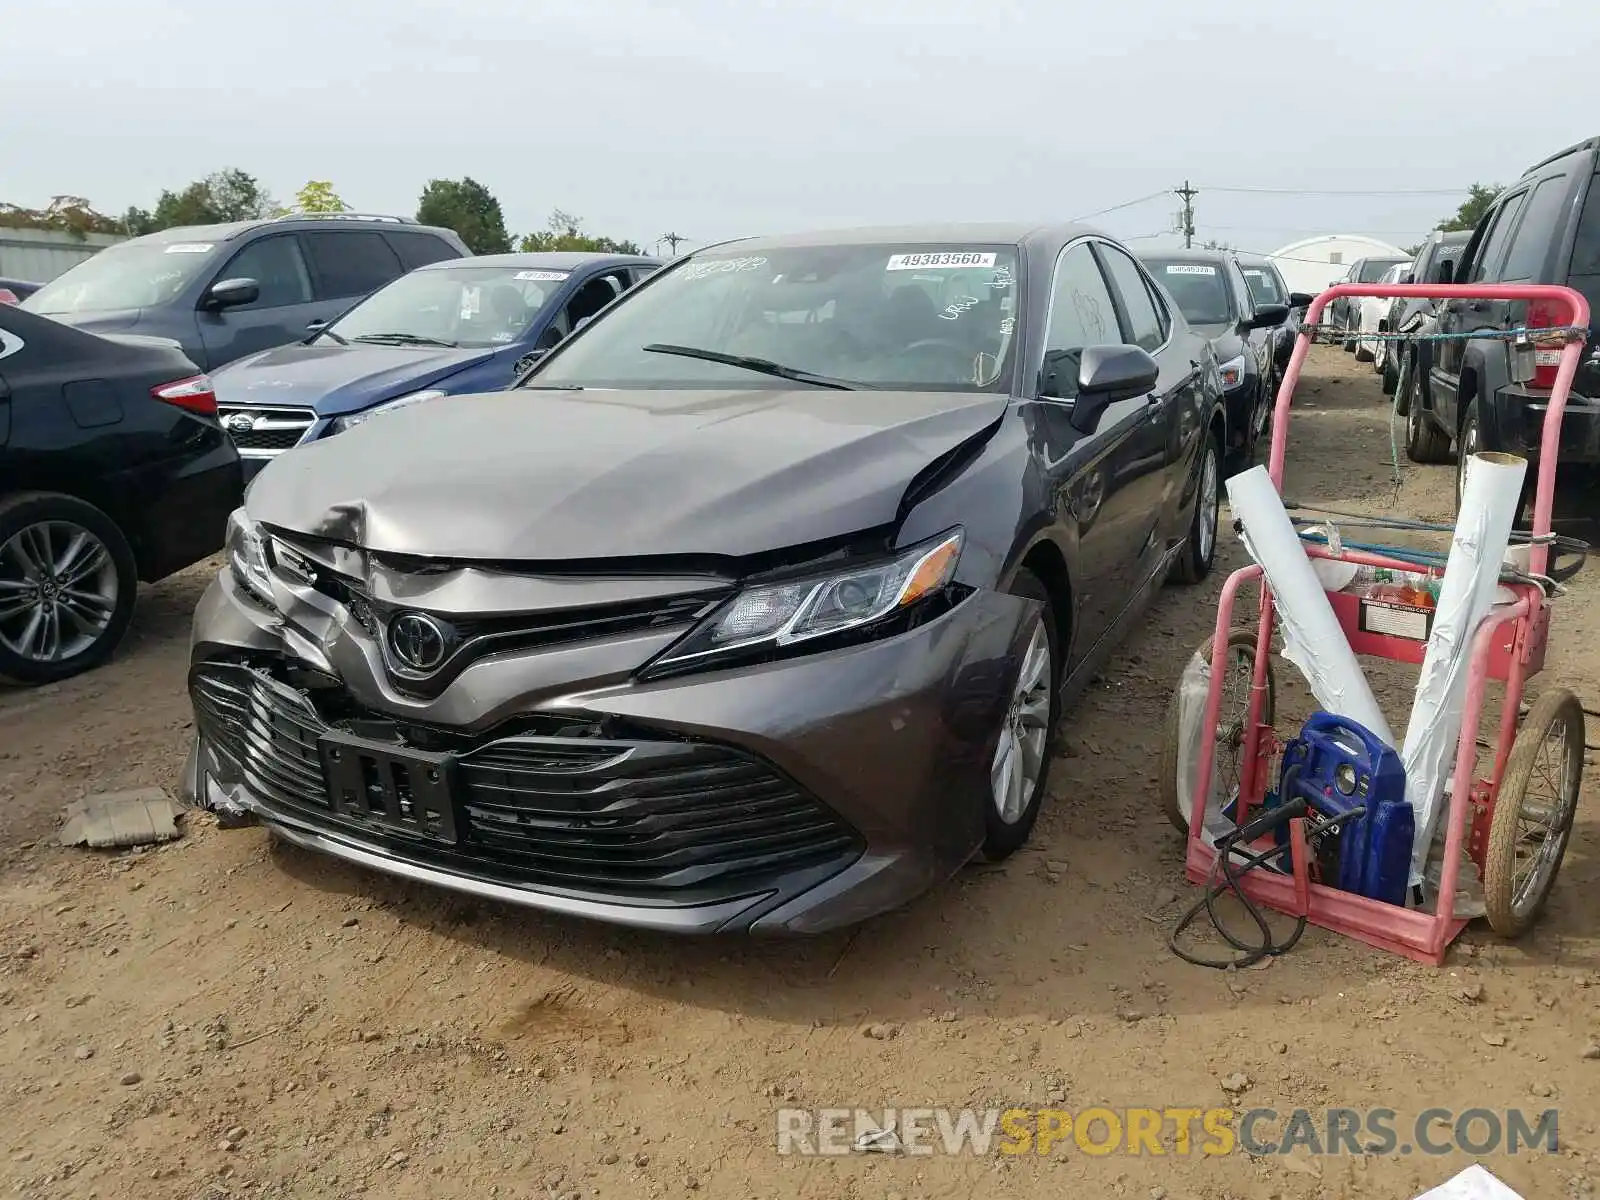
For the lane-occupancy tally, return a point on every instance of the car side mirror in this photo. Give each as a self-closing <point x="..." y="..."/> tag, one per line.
<point x="1300" y="299"/>
<point x="231" y="293"/>
<point x="1107" y="374"/>
<point x="1268" y="316"/>
<point x="582" y="323"/>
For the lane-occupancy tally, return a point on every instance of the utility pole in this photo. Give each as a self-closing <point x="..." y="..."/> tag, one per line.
<point x="1188" y="193"/>
<point x="672" y="239"/>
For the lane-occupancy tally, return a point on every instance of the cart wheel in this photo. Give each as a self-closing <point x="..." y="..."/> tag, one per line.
<point x="1229" y="761"/>
<point x="1533" y="814"/>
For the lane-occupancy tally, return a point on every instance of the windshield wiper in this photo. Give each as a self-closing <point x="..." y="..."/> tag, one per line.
<point x="763" y="365"/>
<point x="404" y="339"/>
<point x="325" y="333"/>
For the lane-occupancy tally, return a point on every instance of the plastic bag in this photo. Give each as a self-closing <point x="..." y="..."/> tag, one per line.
<point x="1193" y="689"/>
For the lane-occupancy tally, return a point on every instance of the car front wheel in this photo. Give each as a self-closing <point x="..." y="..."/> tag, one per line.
<point x="1200" y="547"/>
<point x="67" y="584"/>
<point x="1021" y="763"/>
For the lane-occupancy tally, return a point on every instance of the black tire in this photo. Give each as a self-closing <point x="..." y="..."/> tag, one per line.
<point x="1002" y="837"/>
<point x="1405" y="384"/>
<point x="29" y="509"/>
<point x="1513" y="908"/>
<point x="1425" y="441"/>
<point x="1391" y="369"/>
<point x="1241" y="642"/>
<point x="1363" y="355"/>
<point x="1468" y="443"/>
<point x="1194" y="561"/>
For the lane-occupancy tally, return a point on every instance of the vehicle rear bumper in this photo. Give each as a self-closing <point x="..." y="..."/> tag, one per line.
<point x="184" y="512"/>
<point x="1520" y="426"/>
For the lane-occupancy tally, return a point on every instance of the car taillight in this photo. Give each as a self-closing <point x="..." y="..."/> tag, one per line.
<point x="1546" y="359"/>
<point x="7" y="296"/>
<point x="194" y="394"/>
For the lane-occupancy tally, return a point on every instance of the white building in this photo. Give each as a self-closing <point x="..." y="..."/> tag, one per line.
<point x="1313" y="264"/>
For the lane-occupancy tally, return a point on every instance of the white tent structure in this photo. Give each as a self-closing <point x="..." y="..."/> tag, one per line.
<point x="1311" y="265"/>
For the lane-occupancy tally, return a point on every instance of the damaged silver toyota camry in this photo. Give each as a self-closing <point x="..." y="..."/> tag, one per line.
<point x="752" y="607"/>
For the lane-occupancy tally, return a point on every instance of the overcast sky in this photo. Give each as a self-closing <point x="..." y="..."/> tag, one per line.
<point x="717" y="118"/>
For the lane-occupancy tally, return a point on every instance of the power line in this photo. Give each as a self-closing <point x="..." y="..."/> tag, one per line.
<point x="1125" y="204"/>
<point x="1255" y="191"/>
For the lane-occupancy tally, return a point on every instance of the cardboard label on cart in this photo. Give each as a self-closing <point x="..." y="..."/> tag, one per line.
<point x="1396" y="620"/>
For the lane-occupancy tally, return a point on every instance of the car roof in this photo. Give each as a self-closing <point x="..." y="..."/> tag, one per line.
<point x="548" y="260"/>
<point x="1592" y="143"/>
<point x="1013" y="233"/>
<point x="229" y="230"/>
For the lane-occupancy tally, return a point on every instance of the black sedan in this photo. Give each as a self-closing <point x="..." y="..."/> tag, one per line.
<point x="1210" y="289"/>
<point x="14" y="291"/>
<point x="753" y="607"/>
<point x="1408" y="315"/>
<point x="113" y="470"/>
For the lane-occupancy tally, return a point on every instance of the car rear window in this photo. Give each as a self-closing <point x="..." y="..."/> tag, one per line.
<point x="420" y="249"/>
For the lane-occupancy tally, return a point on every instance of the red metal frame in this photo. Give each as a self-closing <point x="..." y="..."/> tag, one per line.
<point x="1509" y="646"/>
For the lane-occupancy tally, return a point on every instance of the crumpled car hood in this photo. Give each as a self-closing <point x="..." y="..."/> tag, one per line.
<point x="539" y="476"/>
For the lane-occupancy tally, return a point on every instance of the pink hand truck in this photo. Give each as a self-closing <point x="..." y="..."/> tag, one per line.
<point x="1516" y="823"/>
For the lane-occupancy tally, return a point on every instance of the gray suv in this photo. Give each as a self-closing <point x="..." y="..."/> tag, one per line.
<point x="224" y="291"/>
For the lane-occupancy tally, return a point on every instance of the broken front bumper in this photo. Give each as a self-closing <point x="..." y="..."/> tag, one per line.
<point x="796" y="796"/>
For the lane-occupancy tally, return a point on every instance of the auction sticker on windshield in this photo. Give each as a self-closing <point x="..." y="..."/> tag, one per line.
<point x="1190" y="269"/>
<point x="541" y="276"/>
<point x="189" y="247"/>
<point x="955" y="258"/>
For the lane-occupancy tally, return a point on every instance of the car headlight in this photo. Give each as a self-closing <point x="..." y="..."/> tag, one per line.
<point x="1233" y="372"/>
<point x="246" y="549"/>
<point x="784" y="613"/>
<point x="351" y="420"/>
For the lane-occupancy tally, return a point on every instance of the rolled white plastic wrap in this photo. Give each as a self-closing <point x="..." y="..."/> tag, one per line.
<point x="1312" y="637"/>
<point x="1471" y="586"/>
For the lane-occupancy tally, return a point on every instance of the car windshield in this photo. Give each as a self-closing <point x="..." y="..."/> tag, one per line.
<point x="1264" y="287"/>
<point x="1373" y="269"/>
<point x="132" y="275"/>
<point x="888" y="315"/>
<point x="1199" y="288"/>
<point x="459" y="306"/>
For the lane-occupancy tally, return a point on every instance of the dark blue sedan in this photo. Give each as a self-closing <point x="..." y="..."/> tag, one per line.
<point x="450" y="328"/>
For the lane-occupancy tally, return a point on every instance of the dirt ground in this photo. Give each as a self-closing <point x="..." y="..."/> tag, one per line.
<point x="222" y="1018"/>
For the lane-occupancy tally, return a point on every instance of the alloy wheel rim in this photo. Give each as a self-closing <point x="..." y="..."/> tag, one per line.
<point x="1019" y="757"/>
<point x="1207" y="533"/>
<point x="1544" y="821"/>
<point x="58" y="591"/>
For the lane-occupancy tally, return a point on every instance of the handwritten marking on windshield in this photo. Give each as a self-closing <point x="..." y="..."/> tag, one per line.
<point x="956" y="307"/>
<point x="722" y="266"/>
<point x="1002" y="279"/>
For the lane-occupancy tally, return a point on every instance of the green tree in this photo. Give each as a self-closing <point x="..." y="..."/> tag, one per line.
<point x="470" y="209"/>
<point x="317" y="196"/>
<point x="1479" y="197"/>
<point x="565" y="232"/>
<point x="222" y="196"/>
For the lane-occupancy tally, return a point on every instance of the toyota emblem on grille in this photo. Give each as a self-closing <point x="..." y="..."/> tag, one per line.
<point x="240" y="423"/>
<point x="417" y="641"/>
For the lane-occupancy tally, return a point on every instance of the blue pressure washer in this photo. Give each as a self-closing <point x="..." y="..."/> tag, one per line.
<point x="1342" y="769"/>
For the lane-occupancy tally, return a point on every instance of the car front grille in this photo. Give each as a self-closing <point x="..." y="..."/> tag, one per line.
<point x="272" y="430"/>
<point x="472" y="637"/>
<point x="649" y="818"/>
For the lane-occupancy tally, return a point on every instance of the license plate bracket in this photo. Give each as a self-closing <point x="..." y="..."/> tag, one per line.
<point x="394" y="789"/>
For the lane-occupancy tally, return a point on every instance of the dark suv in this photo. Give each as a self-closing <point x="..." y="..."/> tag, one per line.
<point x="224" y="291"/>
<point x="1545" y="228"/>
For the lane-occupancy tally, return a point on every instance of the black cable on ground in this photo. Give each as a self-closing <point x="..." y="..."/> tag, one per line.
<point x="1223" y="865"/>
